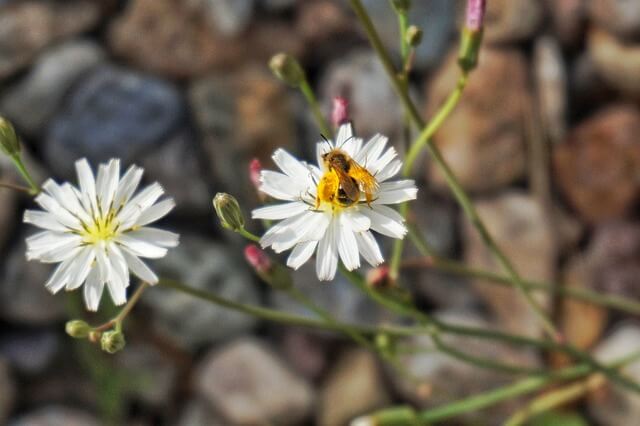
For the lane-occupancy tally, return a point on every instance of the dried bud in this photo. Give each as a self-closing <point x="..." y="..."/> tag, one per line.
<point x="112" y="341"/>
<point x="258" y="259"/>
<point x="413" y="36"/>
<point x="77" y="329"/>
<point x="8" y="139"/>
<point x="401" y="6"/>
<point x="228" y="211"/>
<point x="340" y="112"/>
<point x="287" y="69"/>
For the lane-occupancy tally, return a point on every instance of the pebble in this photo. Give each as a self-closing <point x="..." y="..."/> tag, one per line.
<point x="248" y="384"/>
<point x="34" y="99"/>
<point x="230" y="17"/>
<point x="617" y="62"/>
<point x="55" y="415"/>
<point x="568" y="18"/>
<point x="29" y="352"/>
<point x="510" y="21"/>
<point x="596" y="167"/>
<point x="197" y="412"/>
<point x="518" y="225"/>
<point x="307" y="352"/>
<point x="27" y="27"/>
<point x="7" y="391"/>
<point x="483" y="138"/>
<point x="209" y="266"/>
<point x="113" y="112"/>
<point x="620" y="17"/>
<point x="355" y="373"/>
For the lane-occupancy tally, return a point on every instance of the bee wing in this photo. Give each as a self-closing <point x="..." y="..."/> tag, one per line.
<point x="348" y="185"/>
<point x="368" y="183"/>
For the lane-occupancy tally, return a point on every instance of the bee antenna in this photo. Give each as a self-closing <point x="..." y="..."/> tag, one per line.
<point x="324" y="138"/>
<point x="345" y="141"/>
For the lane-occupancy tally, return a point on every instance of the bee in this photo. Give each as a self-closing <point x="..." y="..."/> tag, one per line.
<point x="345" y="180"/>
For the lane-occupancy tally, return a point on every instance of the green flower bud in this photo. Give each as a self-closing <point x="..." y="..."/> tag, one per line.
<point x="112" y="341"/>
<point x="77" y="329"/>
<point x="287" y="69"/>
<point x="8" y="138"/>
<point x="413" y="36"/>
<point x="228" y="211"/>
<point x="401" y="6"/>
<point x="469" y="49"/>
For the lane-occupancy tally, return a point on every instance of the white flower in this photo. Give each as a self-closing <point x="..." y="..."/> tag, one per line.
<point x="97" y="232"/>
<point x="333" y="230"/>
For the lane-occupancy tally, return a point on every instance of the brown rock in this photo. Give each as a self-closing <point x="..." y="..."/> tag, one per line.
<point x="483" y="139"/>
<point x="27" y="27"/>
<point x="7" y="391"/>
<point x="354" y="387"/>
<point x="512" y="20"/>
<point x="517" y="223"/>
<point x="617" y="62"/>
<point x="597" y="167"/>
<point x="620" y="17"/>
<point x="568" y="19"/>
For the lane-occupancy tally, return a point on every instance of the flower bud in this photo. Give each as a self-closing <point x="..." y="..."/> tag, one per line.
<point x="401" y="6"/>
<point x="340" y="111"/>
<point x="287" y="69"/>
<point x="8" y="139"/>
<point x="471" y="35"/>
<point x="257" y="258"/>
<point x="413" y="36"/>
<point x="273" y="274"/>
<point x="475" y="14"/>
<point x="228" y="211"/>
<point x="112" y="341"/>
<point x="255" y="169"/>
<point x="77" y="329"/>
<point x="95" y="336"/>
<point x="379" y="277"/>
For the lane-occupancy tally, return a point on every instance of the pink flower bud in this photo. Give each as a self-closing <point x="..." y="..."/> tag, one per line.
<point x="475" y="14"/>
<point x="257" y="258"/>
<point x="254" y="172"/>
<point x="340" y="113"/>
<point x="379" y="277"/>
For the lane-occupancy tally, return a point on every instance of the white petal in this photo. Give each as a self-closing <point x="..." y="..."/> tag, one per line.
<point x="347" y="245"/>
<point x="322" y="148"/>
<point x="377" y="167"/>
<point x="93" y="290"/>
<point x="141" y="248"/>
<point x="384" y="222"/>
<point x="369" y="248"/>
<point x="81" y="268"/>
<point x="119" y="264"/>
<point x="327" y="254"/>
<point x="127" y="185"/>
<point x="291" y="166"/>
<point x="352" y="146"/>
<point x="317" y="226"/>
<point x="107" y="186"/>
<point x="279" y="211"/>
<point x="280" y="186"/>
<point x="273" y="234"/>
<point x="356" y="220"/>
<point x="43" y="220"/>
<point x="389" y="171"/>
<point x="49" y="204"/>
<point x="344" y="133"/>
<point x="289" y="236"/>
<point x="118" y="280"/>
<point x="104" y="266"/>
<point x="44" y="245"/>
<point x="396" y="192"/>
<point x="59" y="277"/>
<point x="371" y="151"/>
<point x="301" y="253"/>
<point x="134" y="208"/>
<point x="155" y="236"/>
<point x="155" y="212"/>
<point x="139" y="268"/>
<point x="87" y="182"/>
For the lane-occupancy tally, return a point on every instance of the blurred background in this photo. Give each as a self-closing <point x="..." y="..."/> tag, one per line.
<point x="545" y="138"/>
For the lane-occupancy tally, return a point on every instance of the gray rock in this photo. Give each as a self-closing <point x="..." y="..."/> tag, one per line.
<point x="208" y="266"/>
<point x="23" y="297"/>
<point x="621" y="17"/>
<point x="307" y="352"/>
<point x="248" y="384"/>
<point x="113" y="112"/>
<point x="230" y="17"/>
<point x="617" y="61"/>
<point x="32" y="101"/>
<point x="508" y="21"/>
<point x="277" y="5"/>
<point x="29" y="351"/>
<point x="56" y="415"/>
<point x="7" y="391"/>
<point x="355" y="373"/>
<point x="8" y="201"/>
<point x="198" y="412"/>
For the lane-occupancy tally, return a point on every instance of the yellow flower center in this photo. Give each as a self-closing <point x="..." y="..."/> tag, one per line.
<point x="101" y="229"/>
<point x="330" y="192"/>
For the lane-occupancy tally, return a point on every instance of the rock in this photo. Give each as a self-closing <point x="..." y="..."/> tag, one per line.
<point x="32" y="101"/>
<point x="596" y="167"/>
<point x="197" y="413"/>
<point x="618" y="63"/>
<point x="436" y="18"/>
<point x="230" y="17"/>
<point x="436" y="379"/>
<point x="7" y="391"/>
<point x="518" y="225"/>
<point x="248" y="384"/>
<point x="29" y="351"/>
<point x="26" y="27"/>
<point x="483" y="140"/>
<point x="178" y="167"/>
<point x="620" y="17"/>
<point x="551" y="88"/>
<point x="307" y="352"/>
<point x="23" y="297"/>
<point x="56" y="415"/>
<point x="568" y="19"/>
<point x="208" y="266"/>
<point x="326" y="28"/>
<point x="615" y="405"/>
<point x="277" y="5"/>
<point x="508" y="21"/>
<point x="373" y="105"/>
<point x="8" y="202"/>
<point x="113" y="113"/>
<point x="355" y="373"/>
<point x="587" y="89"/>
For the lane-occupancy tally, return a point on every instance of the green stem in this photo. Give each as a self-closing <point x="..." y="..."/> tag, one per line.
<point x="17" y="161"/>
<point x="307" y="91"/>
<point x="15" y="187"/>
<point x="126" y="310"/>
<point x="248" y="235"/>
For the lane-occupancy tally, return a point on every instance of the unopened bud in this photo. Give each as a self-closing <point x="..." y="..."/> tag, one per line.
<point x="112" y="341"/>
<point x="95" y="336"/>
<point x="8" y="139"/>
<point x="274" y="274"/>
<point x="77" y="329"/>
<point x="471" y="35"/>
<point x="228" y="211"/>
<point x="255" y="169"/>
<point x="340" y="111"/>
<point x="413" y="36"/>
<point x="475" y="14"/>
<point x="401" y="6"/>
<point x="287" y="69"/>
<point x="258" y="259"/>
<point x="379" y="277"/>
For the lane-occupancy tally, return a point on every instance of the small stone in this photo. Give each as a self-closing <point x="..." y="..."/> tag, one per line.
<point x="373" y="105"/>
<point x="326" y="27"/>
<point x="198" y="413"/>
<point x="615" y="405"/>
<point x="518" y="225"/>
<point x="7" y="391"/>
<point x="617" y="62"/>
<point x="248" y="384"/>
<point x="230" y="17"/>
<point x="355" y="373"/>
<point x="113" y="113"/>
<point x="23" y="297"/>
<point x="32" y="102"/>
<point x="26" y="27"/>
<point x="56" y="415"/>
<point x="620" y="17"/>
<point x="483" y="139"/>
<point x="509" y="21"/>
<point x="568" y="18"/>
<point x="204" y="265"/>
<point x="307" y="352"/>
<point x="596" y="167"/>
<point x="29" y="351"/>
